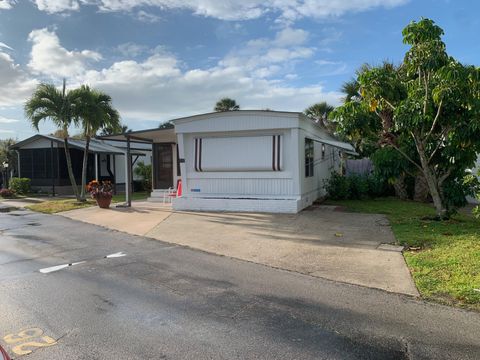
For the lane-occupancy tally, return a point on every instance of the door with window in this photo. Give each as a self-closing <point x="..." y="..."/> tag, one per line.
<point x="162" y="166"/>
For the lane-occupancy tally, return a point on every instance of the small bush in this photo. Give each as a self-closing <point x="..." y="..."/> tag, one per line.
<point x="7" y="193"/>
<point x="358" y="186"/>
<point x="20" y="185"/>
<point x="377" y="186"/>
<point x="341" y="187"/>
<point x="338" y="186"/>
<point x="145" y="171"/>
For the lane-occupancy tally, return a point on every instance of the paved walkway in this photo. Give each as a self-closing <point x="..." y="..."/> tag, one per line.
<point x="26" y="201"/>
<point x="320" y="242"/>
<point x="140" y="219"/>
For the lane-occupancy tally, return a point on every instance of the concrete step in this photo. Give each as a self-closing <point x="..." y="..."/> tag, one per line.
<point x="159" y="195"/>
<point x="157" y="199"/>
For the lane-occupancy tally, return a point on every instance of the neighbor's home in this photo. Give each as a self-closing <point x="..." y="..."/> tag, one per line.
<point x="42" y="159"/>
<point x="249" y="160"/>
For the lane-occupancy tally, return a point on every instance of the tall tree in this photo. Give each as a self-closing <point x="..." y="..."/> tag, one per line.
<point x="434" y="101"/>
<point x="319" y="113"/>
<point x="96" y="112"/>
<point x="226" y="104"/>
<point x="356" y="124"/>
<point x="58" y="106"/>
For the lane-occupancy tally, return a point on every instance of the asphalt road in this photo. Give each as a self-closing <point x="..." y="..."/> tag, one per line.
<point x="168" y="302"/>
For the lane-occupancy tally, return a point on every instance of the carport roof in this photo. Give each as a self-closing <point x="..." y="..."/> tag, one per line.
<point x="146" y="136"/>
<point x="95" y="146"/>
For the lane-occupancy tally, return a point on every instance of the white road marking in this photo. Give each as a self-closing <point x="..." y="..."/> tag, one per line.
<point x="77" y="263"/>
<point x="64" y="266"/>
<point x="53" y="268"/>
<point x="59" y="267"/>
<point x="118" y="254"/>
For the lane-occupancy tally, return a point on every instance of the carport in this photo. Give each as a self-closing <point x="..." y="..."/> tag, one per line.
<point x="164" y="156"/>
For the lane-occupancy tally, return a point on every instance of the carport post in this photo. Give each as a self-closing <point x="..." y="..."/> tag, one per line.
<point x="51" y="168"/>
<point x="128" y="183"/>
<point x="96" y="166"/>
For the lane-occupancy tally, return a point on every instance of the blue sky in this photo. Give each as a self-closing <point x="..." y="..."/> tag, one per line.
<point x="161" y="59"/>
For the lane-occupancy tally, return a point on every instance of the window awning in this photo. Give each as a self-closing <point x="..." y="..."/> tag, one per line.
<point x="348" y="148"/>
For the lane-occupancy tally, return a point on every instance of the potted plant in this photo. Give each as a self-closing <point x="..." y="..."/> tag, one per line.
<point x="102" y="192"/>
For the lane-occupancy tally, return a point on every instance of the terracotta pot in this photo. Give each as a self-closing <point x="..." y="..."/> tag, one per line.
<point x="104" y="202"/>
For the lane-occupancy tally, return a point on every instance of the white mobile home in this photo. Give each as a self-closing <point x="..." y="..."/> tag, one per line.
<point x="254" y="161"/>
<point x="249" y="160"/>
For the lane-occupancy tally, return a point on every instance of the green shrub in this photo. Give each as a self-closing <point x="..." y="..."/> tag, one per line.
<point x="377" y="186"/>
<point x="337" y="186"/>
<point x="341" y="187"/>
<point x="145" y="171"/>
<point x="358" y="186"/>
<point x="20" y="185"/>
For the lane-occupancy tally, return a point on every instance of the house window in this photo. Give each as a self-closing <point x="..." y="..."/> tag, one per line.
<point x="239" y="153"/>
<point x="309" y="156"/>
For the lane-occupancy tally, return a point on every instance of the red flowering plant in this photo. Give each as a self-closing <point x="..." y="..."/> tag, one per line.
<point x="100" y="189"/>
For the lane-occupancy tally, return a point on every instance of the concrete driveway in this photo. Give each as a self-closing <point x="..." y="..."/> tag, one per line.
<point x="321" y="241"/>
<point x="139" y="219"/>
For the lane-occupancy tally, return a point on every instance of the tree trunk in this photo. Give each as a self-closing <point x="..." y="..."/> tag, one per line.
<point x="70" y="169"/>
<point x="432" y="182"/>
<point x="84" y="169"/>
<point x="400" y="188"/>
<point x="421" y="193"/>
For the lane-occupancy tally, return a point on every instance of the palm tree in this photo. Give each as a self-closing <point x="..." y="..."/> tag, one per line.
<point x="226" y="104"/>
<point x="351" y="89"/>
<point x="49" y="103"/>
<point x="319" y="112"/>
<point x="111" y="131"/>
<point x="96" y="112"/>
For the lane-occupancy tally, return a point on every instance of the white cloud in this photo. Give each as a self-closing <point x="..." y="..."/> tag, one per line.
<point x="286" y="10"/>
<point x="331" y="68"/>
<point x="160" y="87"/>
<point x="268" y="57"/>
<point x="131" y="49"/>
<point x="5" y="46"/>
<point x="291" y="37"/>
<point x="129" y="71"/>
<point x="6" y="4"/>
<point x="4" y="120"/>
<point x="162" y="97"/>
<point x="16" y="84"/>
<point x="49" y="58"/>
<point x="147" y="17"/>
<point x="56" y="6"/>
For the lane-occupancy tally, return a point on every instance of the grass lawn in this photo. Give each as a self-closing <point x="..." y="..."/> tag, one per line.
<point x="55" y="206"/>
<point x="443" y="256"/>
